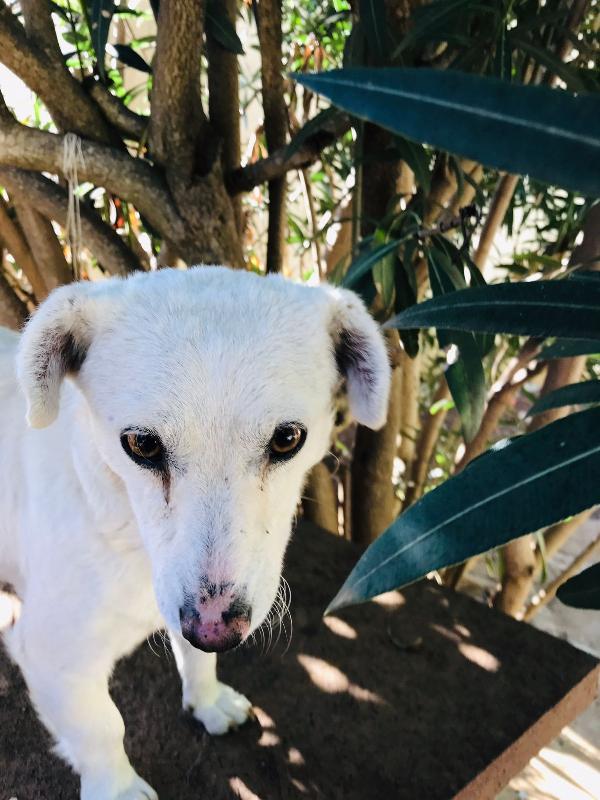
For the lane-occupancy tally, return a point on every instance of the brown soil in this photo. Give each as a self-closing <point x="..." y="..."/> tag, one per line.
<point x="432" y="688"/>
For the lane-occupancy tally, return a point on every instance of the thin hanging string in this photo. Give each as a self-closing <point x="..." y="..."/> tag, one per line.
<point x="72" y="160"/>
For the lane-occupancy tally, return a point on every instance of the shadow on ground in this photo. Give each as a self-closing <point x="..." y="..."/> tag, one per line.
<point x="408" y="697"/>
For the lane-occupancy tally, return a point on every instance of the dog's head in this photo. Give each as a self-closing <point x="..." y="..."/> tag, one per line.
<point x="209" y="393"/>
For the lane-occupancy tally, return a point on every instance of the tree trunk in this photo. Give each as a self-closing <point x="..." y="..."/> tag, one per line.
<point x="373" y="497"/>
<point x="319" y="500"/>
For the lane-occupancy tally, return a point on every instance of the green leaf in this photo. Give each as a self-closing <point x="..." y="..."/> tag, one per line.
<point x="518" y="486"/>
<point x="554" y="64"/>
<point x="383" y="278"/>
<point x="464" y="375"/>
<point x="220" y="29"/>
<point x="417" y="159"/>
<point x="571" y="395"/>
<point x="566" y="348"/>
<point x="582" y="591"/>
<point x="376" y="28"/>
<point x="100" y="13"/>
<point x="405" y="297"/>
<point x="567" y="308"/>
<point x="366" y="261"/>
<point x="433" y="20"/>
<point x="520" y="129"/>
<point x="128" y="56"/>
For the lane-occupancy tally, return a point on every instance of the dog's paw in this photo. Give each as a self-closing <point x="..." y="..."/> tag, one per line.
<point x="135" y="789"/>
<point x="229" y="709"/>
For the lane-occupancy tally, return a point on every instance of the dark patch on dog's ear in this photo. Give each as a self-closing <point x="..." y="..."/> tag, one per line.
<point x="54" y="344"/>
<point x="352" y="355"/>
<point x="361" y="357"/>
<point x="73" y="354"/>
<point x="63" y="353"/>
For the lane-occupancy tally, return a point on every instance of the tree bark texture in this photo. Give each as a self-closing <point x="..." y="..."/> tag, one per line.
<point x="276" y="122"/>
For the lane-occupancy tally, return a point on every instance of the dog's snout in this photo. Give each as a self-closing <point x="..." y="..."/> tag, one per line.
<point x="216" y="620"/>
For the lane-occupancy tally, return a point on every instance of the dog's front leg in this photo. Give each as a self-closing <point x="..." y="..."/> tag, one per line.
<point x="217" y="706"/>
<point x="89" y="731"/>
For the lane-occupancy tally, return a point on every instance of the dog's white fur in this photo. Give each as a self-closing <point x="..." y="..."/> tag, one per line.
<point x="100" y="552"/>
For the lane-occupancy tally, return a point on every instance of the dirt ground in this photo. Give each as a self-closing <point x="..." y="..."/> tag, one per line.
<point x="410" y="697"/>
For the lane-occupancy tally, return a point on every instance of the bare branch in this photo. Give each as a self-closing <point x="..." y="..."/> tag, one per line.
<point x="281" y="161"/>
<point x="130" y="178"/>
<point x="574" y="567"/>
<point x="498" y="208"/>
<point x="16" y="244"/>
<point x="13" y="312"/>
<point x="43" y="241"/>
<point x="268" y="19"/>
<point x="127" y="122"/>
<point x="177" y="117"/>
<point x="224" y="101"/>
<point x="69" y="105"/>
<point x="51" y="200"/>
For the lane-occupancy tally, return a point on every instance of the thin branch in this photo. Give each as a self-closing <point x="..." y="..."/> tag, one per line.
<point x="127" y="122"/>
<point x="43" y="241"/>
<point x="130" y="178"/>
<point x="498" y="208"/>
<point x="224" y="100"/>
<point x="549" y="591"/>
<point x="558" y="535"/>
<point x="176" y="115"/>
<point x="13" y="312"/>
<point x="502" y="399"/>
<point x="16" y="244"/>
<point x="67" y="102"/>
<point x="51" y="200"/>
<point x="285" y="159"/>
<point x="426" y="444"/>
<point x="268" y="20"/>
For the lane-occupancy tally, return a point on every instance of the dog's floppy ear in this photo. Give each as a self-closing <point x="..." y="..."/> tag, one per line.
<point x="362" y="358"/>
<point x="53" y="344"/>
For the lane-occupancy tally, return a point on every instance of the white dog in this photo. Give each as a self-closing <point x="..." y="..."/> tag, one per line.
<point x="163" y="490"/>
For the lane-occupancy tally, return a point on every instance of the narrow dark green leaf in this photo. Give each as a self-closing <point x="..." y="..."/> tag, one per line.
<point x="383" y="278"/>
<point x="571" y="395"/>
<point x="365" y="262"/>
<point x="567" y="348"/>
<point x="100" y="13"/>
<point x="417" y="159"/>
<point x="405" y="297"/>
<point x="518" y="486"/>
<point x="220" y="29"/>
<point x="464" y="375"/>
<point x="521" y="129"/>
<point x="431" y="20"/>
<point x="582" y="591"/>
<point x="128" y="56"/>
<point x="553" y="63"/>
<point x="570" y="309"/>
<point x="375" y="25"/>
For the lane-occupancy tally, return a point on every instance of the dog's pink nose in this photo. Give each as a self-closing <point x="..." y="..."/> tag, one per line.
<point x="215" y="622"/>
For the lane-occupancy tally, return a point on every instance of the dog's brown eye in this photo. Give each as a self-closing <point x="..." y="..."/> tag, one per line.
<point x="144" y="448"/>
<point x="286" y="441"/>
